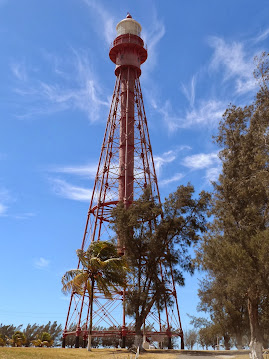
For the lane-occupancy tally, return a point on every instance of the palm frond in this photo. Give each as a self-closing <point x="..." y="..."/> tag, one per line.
<point x="73" y="280"/>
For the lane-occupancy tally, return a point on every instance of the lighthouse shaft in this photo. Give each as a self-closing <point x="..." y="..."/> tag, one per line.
<point x="128" y="53"/>
<point x="126" y="150"/>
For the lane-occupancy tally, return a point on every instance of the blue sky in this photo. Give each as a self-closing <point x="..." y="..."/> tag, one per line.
<point x="56" y="84"/>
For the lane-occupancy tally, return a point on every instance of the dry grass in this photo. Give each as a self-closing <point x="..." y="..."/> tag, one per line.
<point x="53" y="353"/>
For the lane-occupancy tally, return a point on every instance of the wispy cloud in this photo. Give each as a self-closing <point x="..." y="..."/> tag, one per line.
<point x="5" y="200"/>
<point x="208" y="162"/>
<point x="26" y="215"/>
<point x="263" y="36"/>
<point x="176" y="177"/>
<point x="78" y="90"/>
<point x="189" y="91"/>
<point x="232" y="58"/>
<point x="152" y="38"/>
<point x="82" y="170"/>
<point x="212" y="174"/>
<point x="69" y="191"/>
<point x="207" y="113"/>
<point x="19" y="70"/>
<point x="41" y="263"/>
<point x="104" y="21"/>
<point x="166" y="157"/>
<point x="201" y="160"/>
<point x="3" y="209"/>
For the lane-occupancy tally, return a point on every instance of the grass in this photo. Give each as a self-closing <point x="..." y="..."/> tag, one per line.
<point x="58" y="353"/>
<point x="53" y="353"/>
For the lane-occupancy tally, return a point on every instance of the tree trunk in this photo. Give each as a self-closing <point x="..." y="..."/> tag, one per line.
<point x="138" y="341"/>
<point x="227" y="344"/>
<point x="255" y="332"/>
<point x="89" y="347"/>
<point x="239" y="341"/>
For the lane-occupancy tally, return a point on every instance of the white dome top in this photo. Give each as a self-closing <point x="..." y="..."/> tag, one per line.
<point x="128" y="26"/>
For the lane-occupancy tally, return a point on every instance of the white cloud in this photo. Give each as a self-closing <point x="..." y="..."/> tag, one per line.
<point x="3" y="209"/>
<point x="25" y="215"/>
<point x="80" y="90"/>
<point x="69" y="191"/>
<point x="166" y="157"/>
<point x="174" y="178"/>
<point x="263" y="36"/>
<point x="105" y="23"/>
<point x="84" y="171"/>
<point x="152" y="37"/>
<point x="233" y="59"/>
<point x="212" y="174"/>
<point x="201" y="160"/>
<point x="208" y="113"/>
<point x="19" y="71"/>
<point x="189" y="91"/>
<point x="5" y="199"/>
<point x="41" y="263"/>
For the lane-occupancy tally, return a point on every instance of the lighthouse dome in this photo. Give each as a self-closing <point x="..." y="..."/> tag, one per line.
<point x="128" y="26"/>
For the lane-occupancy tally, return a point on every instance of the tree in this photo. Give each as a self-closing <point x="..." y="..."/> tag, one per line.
<point x="208" y="336"/>
<point x="101" y="267"/>
<point x="30" y="333"/>
<point x="3" y="340"/>
<point x="54" y="329"/>
<point x="228" y="311"/>
<point x="235" y="250"/>
<point x="6" y="332"/>
<point x="208" y="332"/>
<point x="18" y="339"/>
<point x="190" y="338"/>
<point x="46" y="339"/>
<point x="152" y="235"/>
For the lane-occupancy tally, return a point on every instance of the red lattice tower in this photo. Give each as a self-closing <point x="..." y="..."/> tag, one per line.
<point x="125" y="169"/>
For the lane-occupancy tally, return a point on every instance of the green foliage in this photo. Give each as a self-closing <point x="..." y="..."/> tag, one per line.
<point x="227" y="309"/>
<point x="152" y="235"/>
<point x="15" y="336"/>
<point x="30" y="333"/>
<point x="101" y="263"/>
<point x="46" y="339"/>
<point x="3" y="340"/>
<point x="235" y="250"/>
<point x="102" y="267"/>
<point x="18" y="339"/>
<point x="190" y="338"/>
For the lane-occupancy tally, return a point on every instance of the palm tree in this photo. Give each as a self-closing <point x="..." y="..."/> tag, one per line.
<point x="101" y="267"/>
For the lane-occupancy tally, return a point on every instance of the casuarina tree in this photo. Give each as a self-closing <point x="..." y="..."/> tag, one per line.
<point x="235" y="251"/>
<point x="150" y="235"/>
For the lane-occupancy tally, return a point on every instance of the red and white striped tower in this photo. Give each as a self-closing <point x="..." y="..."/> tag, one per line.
<point x="125" y="168"/>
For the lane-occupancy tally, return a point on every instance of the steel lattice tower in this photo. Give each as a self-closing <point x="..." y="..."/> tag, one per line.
<point x="125" y="169"/>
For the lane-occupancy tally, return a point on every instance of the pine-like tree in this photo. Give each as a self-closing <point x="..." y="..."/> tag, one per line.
<point x="236" y="249"/>
<point x="152" y="235"/>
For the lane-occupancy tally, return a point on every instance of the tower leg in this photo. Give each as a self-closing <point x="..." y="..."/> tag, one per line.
<point x="170" y="343"/>
<point x="84" y="342"/>
<point x="123" y="342"/>
<point x="77" y="342"/>
<point x="63" y="342"/>
<point x="182" y="342"/>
